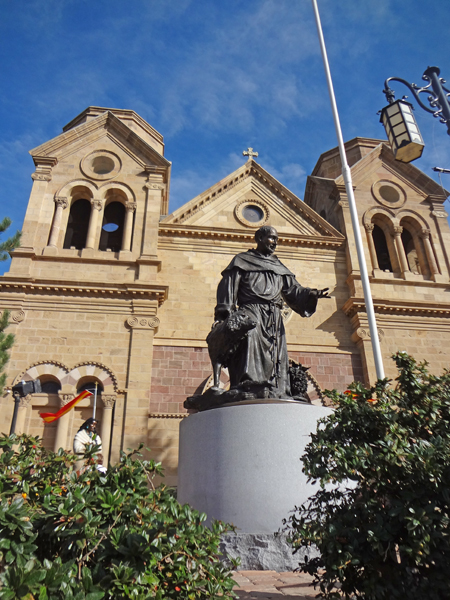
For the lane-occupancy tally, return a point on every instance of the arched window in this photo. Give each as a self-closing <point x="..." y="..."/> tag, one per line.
<point x="77" y="226"/>
<point x="411" y="252"/>
<point x="90" y="386"/>
<point x="49" y="384"/>
<point x="381" y="248"/>
<point x="112" y="227"/>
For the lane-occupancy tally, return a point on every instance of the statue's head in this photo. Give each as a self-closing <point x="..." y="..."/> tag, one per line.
<point x="266" y="239"/>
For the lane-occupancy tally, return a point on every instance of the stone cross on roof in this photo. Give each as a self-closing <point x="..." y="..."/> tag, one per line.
<point x="249" y="152"/>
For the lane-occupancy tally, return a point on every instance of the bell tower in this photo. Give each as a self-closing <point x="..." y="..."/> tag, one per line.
<point x="82" y="288"/>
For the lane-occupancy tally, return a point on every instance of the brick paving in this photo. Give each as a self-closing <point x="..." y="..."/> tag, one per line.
<point x="265" y="585"/>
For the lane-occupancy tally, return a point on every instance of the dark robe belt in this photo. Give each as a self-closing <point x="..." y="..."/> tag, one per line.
<point x="278" y="304"/>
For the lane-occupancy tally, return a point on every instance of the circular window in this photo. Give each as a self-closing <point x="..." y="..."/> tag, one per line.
<point x="388" y="193"/>
<point x="101" y="164"/>
<point x="252" y="213"/>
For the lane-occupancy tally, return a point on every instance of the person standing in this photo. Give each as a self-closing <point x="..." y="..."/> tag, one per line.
<point x="85" y="436"/>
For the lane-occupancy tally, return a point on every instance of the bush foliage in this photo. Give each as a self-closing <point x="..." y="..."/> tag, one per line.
<point x="95" y="536"/>
<point x="387" y="537"/>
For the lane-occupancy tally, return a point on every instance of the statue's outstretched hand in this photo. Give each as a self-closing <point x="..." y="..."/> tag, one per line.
<point x="323" y="293"/>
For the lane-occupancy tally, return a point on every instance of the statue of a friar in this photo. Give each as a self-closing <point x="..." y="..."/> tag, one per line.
<point x="248" y="335"/>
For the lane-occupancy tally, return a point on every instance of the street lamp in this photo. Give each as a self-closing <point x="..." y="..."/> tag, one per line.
<point x="20" y="390"/>
<point x="398" y="119"/>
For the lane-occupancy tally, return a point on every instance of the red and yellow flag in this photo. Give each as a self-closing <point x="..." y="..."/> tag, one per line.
<point x="50" y="417"/>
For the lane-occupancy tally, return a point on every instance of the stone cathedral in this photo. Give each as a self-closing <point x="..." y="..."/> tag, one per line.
<point x="110" y="288"/>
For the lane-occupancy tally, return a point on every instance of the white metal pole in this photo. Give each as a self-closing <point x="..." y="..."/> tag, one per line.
<point x="352" y="206"/>
<point x="95" y="401"/>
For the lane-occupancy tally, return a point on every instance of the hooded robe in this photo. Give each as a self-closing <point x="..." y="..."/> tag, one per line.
<point x="257" y="284"/>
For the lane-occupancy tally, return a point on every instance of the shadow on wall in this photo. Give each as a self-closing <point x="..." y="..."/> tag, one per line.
<point x="163" y="442"/>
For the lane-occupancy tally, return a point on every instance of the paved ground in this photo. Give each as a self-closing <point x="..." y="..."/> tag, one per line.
<point x="264" y="585"/>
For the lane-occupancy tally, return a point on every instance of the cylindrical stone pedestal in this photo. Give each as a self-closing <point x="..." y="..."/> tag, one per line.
<point x="241" y="463"/>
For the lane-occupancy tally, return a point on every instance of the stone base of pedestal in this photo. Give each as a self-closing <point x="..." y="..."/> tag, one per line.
<point x="241" y="464"/>
<point x="262" y="552"/>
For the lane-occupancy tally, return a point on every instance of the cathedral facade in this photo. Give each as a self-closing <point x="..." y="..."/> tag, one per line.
<point x="109" y="289"/>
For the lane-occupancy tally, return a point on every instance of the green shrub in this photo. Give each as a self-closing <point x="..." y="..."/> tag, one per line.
<point x="94" y="536"/>
<point x="388" y="537"/>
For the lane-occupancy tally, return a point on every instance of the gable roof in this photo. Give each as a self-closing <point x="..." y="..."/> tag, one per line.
<point x="361" y="152"/>
<point x="78" y="136"/>
<point x="215" y="212"/>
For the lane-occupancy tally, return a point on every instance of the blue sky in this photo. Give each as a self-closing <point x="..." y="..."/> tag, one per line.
<point x="214" y="77"/>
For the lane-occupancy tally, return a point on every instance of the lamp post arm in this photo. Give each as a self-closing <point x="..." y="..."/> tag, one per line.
<point x="438" y="94"/>
<point x="414" y="89"/>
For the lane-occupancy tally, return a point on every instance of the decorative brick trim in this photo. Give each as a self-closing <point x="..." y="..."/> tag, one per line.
<point x="166" y="416"/>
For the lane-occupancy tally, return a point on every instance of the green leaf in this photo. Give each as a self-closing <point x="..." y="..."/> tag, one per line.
<point x="95" y="595"/>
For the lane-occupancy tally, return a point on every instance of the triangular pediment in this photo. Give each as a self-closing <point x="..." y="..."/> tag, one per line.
<point x="247" y="199"/>
<point x="105" y="126"/>
<point x="382" y="159"/>
<point x="367" y="156"/>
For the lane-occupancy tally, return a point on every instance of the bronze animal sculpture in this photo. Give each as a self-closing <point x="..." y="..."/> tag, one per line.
<point x="224" y="339"/>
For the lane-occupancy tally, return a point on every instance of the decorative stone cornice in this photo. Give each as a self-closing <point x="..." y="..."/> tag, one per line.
<point x="51" y="288"/>
<point x="398" y="307"/>
<point x="244" y="236"/>
<point x="44" y="165"/>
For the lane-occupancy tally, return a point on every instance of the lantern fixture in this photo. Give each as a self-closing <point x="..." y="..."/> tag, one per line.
<point x="399" y="121"/>
<point x="402" y="130"/>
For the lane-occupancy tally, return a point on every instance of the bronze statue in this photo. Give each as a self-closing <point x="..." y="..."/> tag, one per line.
<point x="248" y="335"/>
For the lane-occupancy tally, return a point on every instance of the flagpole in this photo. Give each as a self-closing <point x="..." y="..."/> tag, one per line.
<point x="95" y="400"/>
<point x="346" y="173"/>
